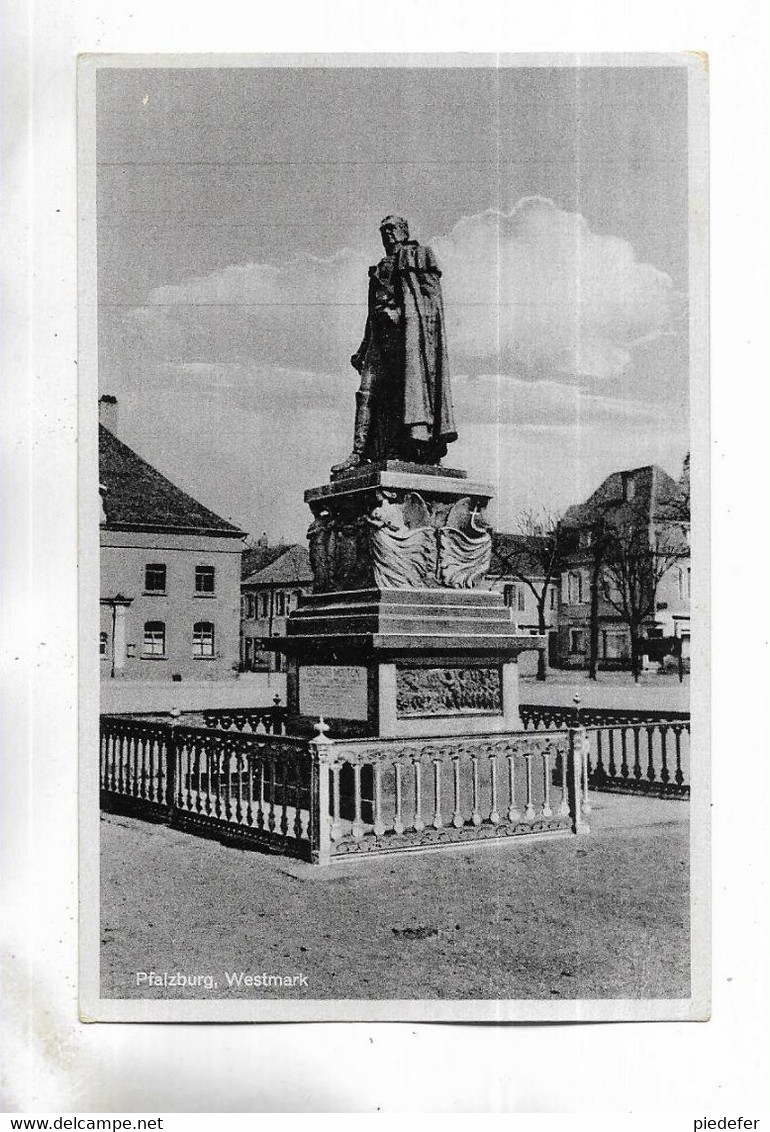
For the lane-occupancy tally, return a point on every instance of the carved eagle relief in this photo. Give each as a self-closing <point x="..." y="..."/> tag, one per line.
<point x="409" y="548"/>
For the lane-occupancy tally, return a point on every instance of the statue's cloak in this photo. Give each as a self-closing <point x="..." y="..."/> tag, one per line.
<point x="424" y="401"/>
<point x="427" y="396"/>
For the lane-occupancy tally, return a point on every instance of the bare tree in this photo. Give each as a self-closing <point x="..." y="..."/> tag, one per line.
<point x="637" y="553"/>
<point x="535" y="559"/>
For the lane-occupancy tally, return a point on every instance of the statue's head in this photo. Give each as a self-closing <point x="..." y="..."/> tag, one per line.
<point x="393" y="230"/>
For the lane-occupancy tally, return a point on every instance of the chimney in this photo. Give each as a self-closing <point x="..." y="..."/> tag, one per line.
<point x="263" y="540"/>
<point x="108" y="413"/>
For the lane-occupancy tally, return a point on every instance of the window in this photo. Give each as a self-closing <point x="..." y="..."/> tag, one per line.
<point x="280" y="604"/>
<point x="552" y="603"/>
<point x="103" y="644"/>
<point x="577" y="640"/>
<point x="629" y="486"/>
<point x="204" y="579"/>
<point x="615" y="644"/>
<point x="575" y="587"/>
<point x="683" y="580"/>
<point x="508" y="592"/>
<point x="264" y="605"/>
<point x="155" y="578"/>
<point x="203" y="638"/>
<point x="154" y="643"/>
<point x="521" y="603"/>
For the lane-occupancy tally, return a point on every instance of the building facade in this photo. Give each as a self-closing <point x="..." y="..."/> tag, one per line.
<point x="170" y="573"/>
<point x="649" y="495"/>
<point x="268" y="595"/>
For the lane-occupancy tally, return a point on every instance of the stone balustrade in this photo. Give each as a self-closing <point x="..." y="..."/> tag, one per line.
<point x="322" y="799"/>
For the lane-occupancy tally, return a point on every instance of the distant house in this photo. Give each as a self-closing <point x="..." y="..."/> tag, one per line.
<point x="170" y="572"/>
<point x="660" y="507"/>
<point x="268" y="595"/>
<point x="514" y="563"/>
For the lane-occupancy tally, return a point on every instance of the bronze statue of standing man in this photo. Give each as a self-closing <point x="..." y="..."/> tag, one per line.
<point x="404" y="404"/>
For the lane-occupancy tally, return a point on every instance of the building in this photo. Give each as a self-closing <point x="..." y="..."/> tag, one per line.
<point x="515" y="564"/>
<point x="268" y="595"/>
<point x="170" y="572"/>
<point x="649" y="501"/>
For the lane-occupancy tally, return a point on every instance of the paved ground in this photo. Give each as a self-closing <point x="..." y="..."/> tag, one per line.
<point x="256" y="689"/>
<point x="250" y="689"/>
<point x="612" y="689"/>
<point x="602" y="916"/>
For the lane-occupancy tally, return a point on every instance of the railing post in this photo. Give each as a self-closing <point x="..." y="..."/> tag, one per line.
<point x="172" y="748"/>
<point x="320" y="822"/>
<point x="576" y="760"/>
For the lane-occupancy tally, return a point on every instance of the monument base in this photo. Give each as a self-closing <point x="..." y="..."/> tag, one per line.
<point x="397" y="640"/>
<point x="402" y="663"/>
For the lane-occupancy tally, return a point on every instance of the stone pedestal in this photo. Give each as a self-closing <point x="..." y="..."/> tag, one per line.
<point x="398" y="639"/>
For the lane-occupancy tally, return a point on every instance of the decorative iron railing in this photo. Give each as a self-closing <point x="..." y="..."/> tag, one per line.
<point x="321" y="798"/>
<point x="642" y="752"/>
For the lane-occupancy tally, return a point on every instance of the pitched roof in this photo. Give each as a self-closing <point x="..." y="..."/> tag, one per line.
<point x="514" y="549"/>
<point x="136" y="496"/>
<point x="291" y="568"/>
<point x="255" y="558"/>
<point x="654" y="493"/>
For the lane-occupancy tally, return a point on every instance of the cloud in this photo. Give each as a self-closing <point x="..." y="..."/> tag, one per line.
<point x="503" y="400"/>
<point x="532" y="292"/>
<point x="537" y="289"/>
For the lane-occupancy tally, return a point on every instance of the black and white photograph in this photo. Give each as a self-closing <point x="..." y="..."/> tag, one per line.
<point x="394" y="513"/>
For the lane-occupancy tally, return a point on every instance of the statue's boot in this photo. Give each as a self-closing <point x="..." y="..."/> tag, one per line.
<point x="360" y="435"/>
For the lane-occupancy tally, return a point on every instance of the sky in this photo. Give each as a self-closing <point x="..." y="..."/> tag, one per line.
<point x="238" y="212"/>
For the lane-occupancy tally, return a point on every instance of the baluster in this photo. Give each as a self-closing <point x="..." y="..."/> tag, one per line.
<point x="650" y="764"/>
<point x="564" y="804"/>
<point x="623" y="755"/>
<point x="142" y="783"/>
<point x="227" y="774"/>
<point x="164" y="749"/>
<point x="513" y="813"/>
<point x="250" y="772"/>
<point x="637" y="761"/>
<point x="476" y="818"/>
<point x="398" y="821"/>
<point x="664" y="771"/>
<point x="261" y="781"/>
<point x="418" y="823"/>
<point x="494" y="814"/>
<point x="271" y="790"/>
<point x="611" y="762"/>
<point x="529" y="809"/>
<point x="135" y="740"/>
<point x="122" y="749"/>
<point x="457" y="817"/>
<point x="238" y="756"/>
<point x="678" y="776"/>
<point x="190" y="752"/>
<point x="335" y="832"/>
<point x="379" y="824"/>
<point x="438" y="820"/>
<point x="198" y="753"/>
<point x="599" y="772"/>
<point x="547" y="812"/>
<point x="284" y="826"/>
<point x="357" y="829"/>
<point x="182" y="749"/>
<point x="297" y="763"/>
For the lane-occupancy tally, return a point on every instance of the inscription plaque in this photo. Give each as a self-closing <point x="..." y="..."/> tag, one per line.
<point x="335" y="691"/>
<point x="448" y="691"/>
